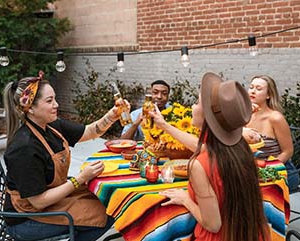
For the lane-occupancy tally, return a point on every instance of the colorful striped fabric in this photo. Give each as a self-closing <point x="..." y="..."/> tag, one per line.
<point x="136" y="205"/>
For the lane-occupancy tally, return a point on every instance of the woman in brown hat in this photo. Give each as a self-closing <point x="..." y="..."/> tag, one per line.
<point x="223" y="192"/>
<point x="37" y="160"/>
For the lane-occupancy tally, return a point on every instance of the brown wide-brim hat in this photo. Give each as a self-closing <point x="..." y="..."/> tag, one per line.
<point x="226" y="106"/>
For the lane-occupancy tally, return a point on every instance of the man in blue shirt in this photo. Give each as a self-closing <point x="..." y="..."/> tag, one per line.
<point x="160" y="96"/>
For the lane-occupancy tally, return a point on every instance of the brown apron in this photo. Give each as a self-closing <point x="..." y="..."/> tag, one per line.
<point x="85" y="208"/>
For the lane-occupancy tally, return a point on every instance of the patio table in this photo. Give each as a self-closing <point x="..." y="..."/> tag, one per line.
<point x="136" y="205"/>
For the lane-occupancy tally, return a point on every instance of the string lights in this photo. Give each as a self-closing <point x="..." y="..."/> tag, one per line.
<point x="60" y="64"/>
<point x="120" y="63"/>
<point x="253" y="51"/>
<point x="185" y="60"/>
<point x="4" y="60"/>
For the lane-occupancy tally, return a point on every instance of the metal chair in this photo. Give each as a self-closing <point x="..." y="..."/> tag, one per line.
<point x="112" y="237"/>
<point x="4" y="236"/>
<point x="291" y="233"/>
<point x="295" y="131"/>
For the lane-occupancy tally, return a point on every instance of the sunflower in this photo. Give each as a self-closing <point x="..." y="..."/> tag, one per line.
<point x="178" y="116"/>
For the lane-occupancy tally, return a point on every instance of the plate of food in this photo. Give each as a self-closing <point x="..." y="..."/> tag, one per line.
<point x="108" y="166"/>
<point x="255" y="146"/>
<point x="268" y="174"/>
<point x="179" y="166"/>
<point x="120" y="145"/>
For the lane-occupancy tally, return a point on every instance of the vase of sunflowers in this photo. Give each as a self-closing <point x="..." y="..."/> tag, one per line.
<point x="163" y="144"/>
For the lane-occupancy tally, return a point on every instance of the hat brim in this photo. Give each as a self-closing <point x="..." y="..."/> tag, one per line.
<point x="226" y="137"/>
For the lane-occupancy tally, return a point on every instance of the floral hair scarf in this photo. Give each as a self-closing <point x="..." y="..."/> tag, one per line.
<point x="28" y="95"/>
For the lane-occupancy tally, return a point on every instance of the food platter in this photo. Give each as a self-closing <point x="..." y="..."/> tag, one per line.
<point x="117" y="146"/>
<point x="179" y="166"/>
<point x="109" y="166"/>
<point x="257" y="145"/>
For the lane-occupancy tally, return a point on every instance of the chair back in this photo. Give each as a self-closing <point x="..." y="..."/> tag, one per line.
<point x="295" y="131"/>
<point x="292" y="233"/>
<point x="3" y="234"/>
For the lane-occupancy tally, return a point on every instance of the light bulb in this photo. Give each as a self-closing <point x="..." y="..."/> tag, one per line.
<point x="253" y="51"/>
<point x="120" y="64"/>
<point x="60" y="64"/>
<point x="4" y="60"/>
<point x="184" y="59"/>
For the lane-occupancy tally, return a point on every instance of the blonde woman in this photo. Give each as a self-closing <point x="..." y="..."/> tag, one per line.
<point x="270" y="122"/>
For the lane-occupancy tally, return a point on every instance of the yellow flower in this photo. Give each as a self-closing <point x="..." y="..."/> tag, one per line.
<point x="178" y="116"/>
<point x="185" y="123"/>
<point x="167" y="110"/>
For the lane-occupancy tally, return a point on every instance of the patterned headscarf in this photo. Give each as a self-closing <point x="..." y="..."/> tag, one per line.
<point x="28" y="95"/>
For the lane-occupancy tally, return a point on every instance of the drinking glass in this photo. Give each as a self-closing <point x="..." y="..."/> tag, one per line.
<point x="167" y="174"/>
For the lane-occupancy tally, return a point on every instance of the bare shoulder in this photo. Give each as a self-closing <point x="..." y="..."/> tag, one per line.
<point x="277" y="117"/>
<point x="197" y="171"/>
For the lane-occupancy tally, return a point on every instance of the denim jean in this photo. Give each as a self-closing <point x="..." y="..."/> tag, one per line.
<point x="293" y="176"/>
<point x="31" y="230"/>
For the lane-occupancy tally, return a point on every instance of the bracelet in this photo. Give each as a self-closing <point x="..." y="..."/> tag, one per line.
<point x="75" y="183"/>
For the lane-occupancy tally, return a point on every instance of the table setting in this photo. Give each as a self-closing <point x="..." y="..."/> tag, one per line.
<point x="130" y="192"/>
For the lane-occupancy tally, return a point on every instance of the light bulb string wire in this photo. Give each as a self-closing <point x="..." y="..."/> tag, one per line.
<point x="155" y="51"/>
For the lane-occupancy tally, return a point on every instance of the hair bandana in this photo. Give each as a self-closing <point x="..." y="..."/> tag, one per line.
<point x="28" y="95"/>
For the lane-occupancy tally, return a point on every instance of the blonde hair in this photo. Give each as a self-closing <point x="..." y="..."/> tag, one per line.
<point x="274" y="99"/>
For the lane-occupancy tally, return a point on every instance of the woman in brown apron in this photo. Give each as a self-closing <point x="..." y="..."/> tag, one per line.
<point x="37" y="160"/>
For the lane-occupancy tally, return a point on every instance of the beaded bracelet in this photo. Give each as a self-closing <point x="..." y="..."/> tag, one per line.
<point x="75" y="182"/>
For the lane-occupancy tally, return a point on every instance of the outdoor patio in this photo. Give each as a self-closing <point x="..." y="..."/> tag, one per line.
<point x="82" y="150"/>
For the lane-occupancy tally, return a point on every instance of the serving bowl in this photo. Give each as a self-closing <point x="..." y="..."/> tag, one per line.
<point x="120" y="145"/>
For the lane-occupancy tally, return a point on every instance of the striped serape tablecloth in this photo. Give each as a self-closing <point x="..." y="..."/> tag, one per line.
<point x="136" y="205"/>
<point x="277" y="202"/>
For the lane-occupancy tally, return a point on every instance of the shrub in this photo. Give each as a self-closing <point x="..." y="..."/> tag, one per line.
<point x="93" y="96"/>
<point x="183" y="93"/>
<point x="291" y="106"/>
<point x="21" y="30"/>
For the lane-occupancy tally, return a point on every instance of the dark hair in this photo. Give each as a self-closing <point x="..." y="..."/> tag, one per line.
<point x="161" y="82"/>
<point x="241" y="189"/>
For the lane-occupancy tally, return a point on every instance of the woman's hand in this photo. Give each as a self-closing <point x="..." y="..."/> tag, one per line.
<point x="177" y="196"/>
<point x="251" y="135"/>
<point x="90" y="171"/>
<point x="255" y="107"/>
<point x="115" y="112"/>
<point x="157" y="117"/>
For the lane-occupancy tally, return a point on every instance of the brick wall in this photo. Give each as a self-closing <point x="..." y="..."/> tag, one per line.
<point x="98" y="24"/>
<point x="170" y="24"/>
<point x="167" y="24"/>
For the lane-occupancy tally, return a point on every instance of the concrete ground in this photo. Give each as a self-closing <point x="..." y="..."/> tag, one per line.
<point x="82" y="150"/>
